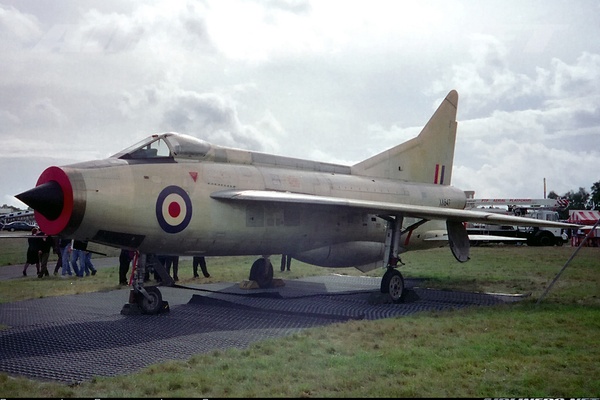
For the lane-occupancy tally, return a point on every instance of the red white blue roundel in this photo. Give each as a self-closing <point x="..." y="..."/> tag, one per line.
<point x="173" y="209"/>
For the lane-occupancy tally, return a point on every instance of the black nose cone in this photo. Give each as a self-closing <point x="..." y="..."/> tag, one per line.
<point x="47" y="199"/>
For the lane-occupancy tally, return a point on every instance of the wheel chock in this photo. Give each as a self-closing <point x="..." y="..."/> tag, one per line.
<point x="249" y="285"/>
<point x="278" y="282"/>
<point x="135" y="309"/>
<point x="254" y="285"/>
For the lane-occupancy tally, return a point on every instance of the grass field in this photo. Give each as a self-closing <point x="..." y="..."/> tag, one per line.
<point x="522" y="349"/>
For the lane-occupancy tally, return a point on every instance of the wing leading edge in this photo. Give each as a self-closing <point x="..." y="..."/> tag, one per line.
<point x="378" y="207"/>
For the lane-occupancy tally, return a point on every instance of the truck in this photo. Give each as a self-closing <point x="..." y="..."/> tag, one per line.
<point x="545" y="209"/>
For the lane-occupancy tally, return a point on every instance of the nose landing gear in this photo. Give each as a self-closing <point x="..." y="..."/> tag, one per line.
<point x="146" y="299"/>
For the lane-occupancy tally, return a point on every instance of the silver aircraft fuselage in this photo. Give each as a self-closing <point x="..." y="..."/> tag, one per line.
<point x="166" y="204"/>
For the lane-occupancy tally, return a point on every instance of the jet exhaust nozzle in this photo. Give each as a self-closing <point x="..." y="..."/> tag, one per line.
<point x="47" y="199"/>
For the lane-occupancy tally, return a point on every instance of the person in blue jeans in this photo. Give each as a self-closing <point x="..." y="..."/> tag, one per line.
<point x="81" y="259"/>
<point x="64" y="246"/>
<point x="88" y="266"/>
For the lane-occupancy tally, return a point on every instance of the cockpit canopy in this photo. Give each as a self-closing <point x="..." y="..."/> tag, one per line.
<point x="176" y="147"/>
<point x="166" y="145"/>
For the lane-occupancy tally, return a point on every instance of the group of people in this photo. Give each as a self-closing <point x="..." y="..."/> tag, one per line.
<point x="126" y="256"/>
<point x="75" y="259"/>
<point x="73" y="256"/>
<point x="38" y="252"/>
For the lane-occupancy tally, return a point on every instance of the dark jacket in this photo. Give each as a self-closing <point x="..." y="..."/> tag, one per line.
<point x="80" y="245"/>
<point x="47" y="244"/>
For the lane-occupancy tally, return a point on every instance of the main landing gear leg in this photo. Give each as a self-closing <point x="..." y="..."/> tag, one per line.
<point x="146" y="300"/>
<point x="392" y="282"/>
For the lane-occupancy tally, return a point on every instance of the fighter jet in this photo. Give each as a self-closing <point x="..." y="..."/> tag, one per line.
<point x="176" y="194"/>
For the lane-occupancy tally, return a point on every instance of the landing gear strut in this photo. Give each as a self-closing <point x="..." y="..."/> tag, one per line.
<point x="146" y="300"/>
<point x="392" y="282"/>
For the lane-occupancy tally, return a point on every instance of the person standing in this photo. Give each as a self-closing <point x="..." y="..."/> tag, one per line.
<point x="46" y="245"/>
<point x="125" y="258"/>
<point x="56" y="250"/>
<point x="33" y="251"/>
<point x="286" y="261"/>
<point x="64" y="247"/>
<point x="83" y="257"/>
<point x="89" y="267"/>
<point x="199" y="260"/>
<point x="75" y="256"/>
<point x="172" y="261"/>
<point x="167" y="261"/>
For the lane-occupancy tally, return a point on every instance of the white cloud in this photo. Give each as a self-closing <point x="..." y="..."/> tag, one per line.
<point x="331" y="80"/>
<point x="17" y="29"/>
<point x="581" y="78"/>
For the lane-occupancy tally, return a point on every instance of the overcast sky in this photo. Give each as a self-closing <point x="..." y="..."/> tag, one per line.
<point x="333" y="81"/>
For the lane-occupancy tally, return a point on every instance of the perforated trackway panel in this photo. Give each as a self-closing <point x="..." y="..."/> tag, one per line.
<point x="74" y="338"/>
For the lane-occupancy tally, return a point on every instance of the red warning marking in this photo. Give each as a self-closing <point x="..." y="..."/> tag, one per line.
<point x="194" y="175"/>
<point x="408" y="237"/>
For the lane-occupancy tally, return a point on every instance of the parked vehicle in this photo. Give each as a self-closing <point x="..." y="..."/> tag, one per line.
<point x="543" y="209"/>
<point x="17" y="226"/>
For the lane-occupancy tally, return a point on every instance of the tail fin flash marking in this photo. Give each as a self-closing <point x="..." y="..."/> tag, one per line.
<point x="439" y="174"/>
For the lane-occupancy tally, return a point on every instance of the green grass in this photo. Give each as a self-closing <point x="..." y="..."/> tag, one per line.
<point x="514" y="350"/>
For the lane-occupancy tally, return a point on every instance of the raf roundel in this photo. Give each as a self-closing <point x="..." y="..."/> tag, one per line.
<point x="173" y="209"/>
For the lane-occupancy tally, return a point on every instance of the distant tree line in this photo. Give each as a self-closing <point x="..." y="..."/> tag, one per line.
<point x="580" y="200"/>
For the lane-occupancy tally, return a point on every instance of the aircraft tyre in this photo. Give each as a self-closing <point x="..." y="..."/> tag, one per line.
<point x="153" y="304"/>
<point x="262" y="273"/>
<point x="392" y="283"/>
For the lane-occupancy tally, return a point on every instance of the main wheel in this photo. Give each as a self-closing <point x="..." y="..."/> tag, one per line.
<point x="152" y="304"/>
<point x="393" y="284"/>
<point x="262" y="272"/>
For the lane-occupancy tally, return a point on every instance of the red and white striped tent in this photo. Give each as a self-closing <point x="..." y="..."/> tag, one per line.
<point x="589" y="218"/>
<point x="584" y="217"/>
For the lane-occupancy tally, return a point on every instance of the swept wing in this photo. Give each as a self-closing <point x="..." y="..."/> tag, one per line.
<point x="378" y="207"/>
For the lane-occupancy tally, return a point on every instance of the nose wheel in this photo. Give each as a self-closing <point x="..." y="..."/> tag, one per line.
<point x="151" y="302"/>
<point x="145" y="299"/>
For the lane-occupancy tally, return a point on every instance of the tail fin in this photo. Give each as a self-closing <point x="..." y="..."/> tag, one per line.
<point x="427" y="158"/>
